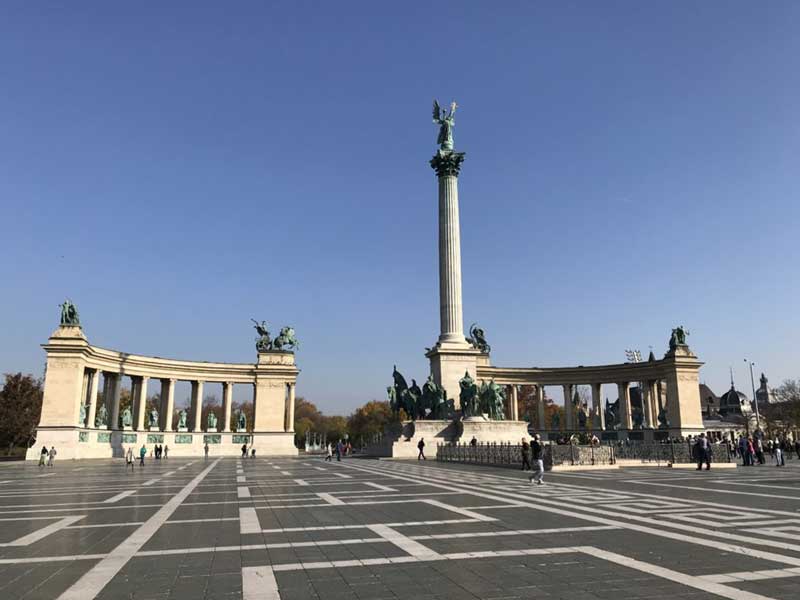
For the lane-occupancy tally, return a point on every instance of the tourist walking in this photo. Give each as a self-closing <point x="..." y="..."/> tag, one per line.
<point x="526" y="449"/>
<point x="244" y="450"/>
<point x="328" y="453"/>
<point x="339" y="451"/>
<point x="421" y="447"/>
<point x="537" y="453"/>
<point x="703" y="451"/>
<point x="51" y="455"/>
<point x="142" y="454"/>
<point x="205" y="450"/>
<point x="166" y="451"/>
<point x="779" y="460"/>
<point x="43" y="456"/>
<point x="129" y="458"/>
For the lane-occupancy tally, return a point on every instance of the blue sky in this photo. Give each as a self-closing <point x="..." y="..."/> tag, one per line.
<point x="179" y="168"/>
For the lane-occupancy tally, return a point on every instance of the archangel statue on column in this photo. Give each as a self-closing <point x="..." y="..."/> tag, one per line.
<point x="446" y="123"/>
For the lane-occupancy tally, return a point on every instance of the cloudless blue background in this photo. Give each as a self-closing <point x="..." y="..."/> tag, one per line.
<point x="177" y="168"/>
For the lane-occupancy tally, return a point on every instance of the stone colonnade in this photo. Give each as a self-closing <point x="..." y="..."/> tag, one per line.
<point x="670" y="384"/>
<point x="70" y="407"/>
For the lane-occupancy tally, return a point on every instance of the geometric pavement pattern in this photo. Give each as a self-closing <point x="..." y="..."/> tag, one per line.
<point x="268" y="529"/>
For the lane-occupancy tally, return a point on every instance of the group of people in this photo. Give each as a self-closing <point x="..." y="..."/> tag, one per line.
<point x="339" y="449"/>
<point x="158" y="452"/>
<point x="533" y="458"/>
<point x="244" y="451"/>
<point x="752" y="450"/>
<point x="47" y="456"/>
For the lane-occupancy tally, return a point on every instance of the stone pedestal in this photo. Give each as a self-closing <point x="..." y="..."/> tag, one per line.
<point x="401" y="442"/>
<point x="183" y="429"/>
<point x="683" y="392"/>
<point x="449" y="363"/>
<point x="211" y="430"/>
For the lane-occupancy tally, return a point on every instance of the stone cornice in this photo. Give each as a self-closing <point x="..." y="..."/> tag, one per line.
<point x="619" y="373"/>
<point x="447" y="163"/>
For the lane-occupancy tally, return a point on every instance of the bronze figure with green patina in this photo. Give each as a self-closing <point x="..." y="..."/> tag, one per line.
<point x="69" y="314"/>
<point x="446" y="122"/>
<point x="286" y="339"/>
<point x="478" y="339"/>
<point x="678" y="337"/>
<point x="468" y="396"/>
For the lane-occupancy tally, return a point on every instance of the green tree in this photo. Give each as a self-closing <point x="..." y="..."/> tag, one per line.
<point x="20" y="409"/>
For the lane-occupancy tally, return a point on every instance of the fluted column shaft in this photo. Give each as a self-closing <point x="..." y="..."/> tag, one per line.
<point x="540" y="407"/>
<point x="450" y="308"/>
<point x="114" y="387"/>
<point x="647" y="404"/>
<point x="227" y="402"/>
<point x="197" y="405"/>
<point x="167" y="403"/>
<point x="93" y="386"/>
<point x="625" y="405"/>
<point x="599" y="415"/>
<point x="141" y="401"/>
<point x="569" y="410"/>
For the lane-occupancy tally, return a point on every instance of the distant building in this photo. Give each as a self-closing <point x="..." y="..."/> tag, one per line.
<point x="765" y="395"/>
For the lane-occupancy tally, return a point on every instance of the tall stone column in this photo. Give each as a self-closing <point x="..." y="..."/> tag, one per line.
<point x="115" y="387"/>
<point x="647" y="404"/>
<point x="447" y="166"/>
<point x="452" y="356"/>
<point x="84" y="393"/>
<point x="290" y="408"/>
<point x="569" y="410"/>
<point x="167" y="403"/>
<point x="514" y="403"/>
<point x="93" y="387"/>
<point x="597" y="405"/>
<point x="197" y="405"/>
<point x="625" y="405"/>
<point x="141" y="401"/>
<point x="227" y="403"/>
<point x="540" y="407"/>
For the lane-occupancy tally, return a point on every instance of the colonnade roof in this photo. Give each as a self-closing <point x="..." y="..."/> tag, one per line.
<point x="137" y="365"/>
<point x="586" y="375"/>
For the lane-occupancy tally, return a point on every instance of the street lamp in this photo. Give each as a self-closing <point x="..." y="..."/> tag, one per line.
<point x="755" y="400"/>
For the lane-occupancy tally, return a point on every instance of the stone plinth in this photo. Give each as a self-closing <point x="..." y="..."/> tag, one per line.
<point x="79" y="443"/>
<point x="402" y="441"/>
<point x="449" y="363"/>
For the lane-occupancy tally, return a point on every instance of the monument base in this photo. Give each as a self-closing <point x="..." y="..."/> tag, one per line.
<point x="78" y="443"/>
<point x="449" y="363"/>
<point x="402" y="441"/>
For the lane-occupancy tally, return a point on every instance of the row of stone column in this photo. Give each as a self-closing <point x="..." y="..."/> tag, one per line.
<point x="650" y="404"/>
<point x="111" y="398"/>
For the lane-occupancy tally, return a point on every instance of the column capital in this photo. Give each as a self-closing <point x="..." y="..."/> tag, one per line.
<point x="447" y="163"/>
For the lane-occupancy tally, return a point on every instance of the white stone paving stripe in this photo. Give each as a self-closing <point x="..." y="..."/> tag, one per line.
<point x="243" y="492"/>
<point x="301" y="482"/>
<point x="119" y="497"/>
<point x="459" y="510"/>
<point x="338" y="527"/>
<point x="378" y="486"/>
<point x="703" y="539"/>
<point x="258" y="583"/>
<point x="342" y="475"/>
<point x="320" y="469"/>
<point x="151" y="482"/>
<point x="42" y="533"/>
<point x="406" y="544"/>
<point x="241" y="479"/>
<point x="330" y="499"/>
<point x="286" y="473"/>
<point x="93" y="582"/>
<point x="248" y="520"/>
<point x="681" y="578"/>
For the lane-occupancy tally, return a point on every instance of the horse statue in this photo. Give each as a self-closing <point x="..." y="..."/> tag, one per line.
<point x="286" y="338"/>
<point x="678" y="337"/>
<point x="263" y="341"/>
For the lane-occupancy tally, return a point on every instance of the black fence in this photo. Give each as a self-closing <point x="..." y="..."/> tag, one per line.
<point x="510" y="455"/>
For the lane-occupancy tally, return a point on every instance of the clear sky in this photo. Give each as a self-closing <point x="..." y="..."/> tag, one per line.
<point x="178" y="168"/>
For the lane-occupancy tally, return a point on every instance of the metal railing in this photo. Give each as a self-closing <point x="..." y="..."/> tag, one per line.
<point x="510" y="455"/>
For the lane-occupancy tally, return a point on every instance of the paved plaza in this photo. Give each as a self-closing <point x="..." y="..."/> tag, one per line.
<point x="365" y="529"/>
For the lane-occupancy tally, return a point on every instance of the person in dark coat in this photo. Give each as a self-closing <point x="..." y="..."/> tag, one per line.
<point x="526" y="450"/>
<point x="421" y="447"/>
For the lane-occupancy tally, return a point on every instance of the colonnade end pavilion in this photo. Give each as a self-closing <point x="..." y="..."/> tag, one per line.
<point x="79" y="426"/>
